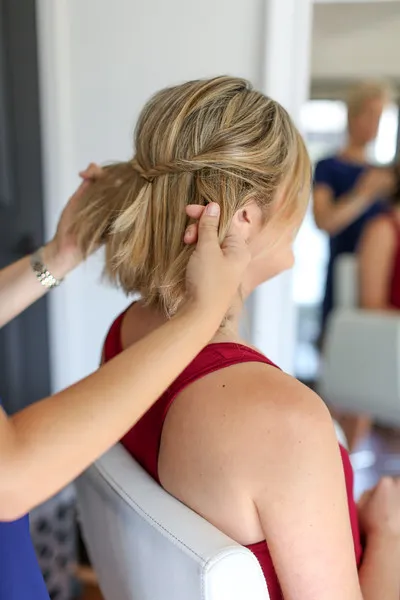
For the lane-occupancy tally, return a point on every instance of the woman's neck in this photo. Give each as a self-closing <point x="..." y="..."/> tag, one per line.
<point x="230" y="328"/>
<point x="141" y="320"/>
<point x="228" y="332"/>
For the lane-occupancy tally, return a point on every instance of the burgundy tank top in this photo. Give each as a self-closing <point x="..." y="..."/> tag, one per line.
<point x="143" y="440"/>
<point x="395" y="282"/>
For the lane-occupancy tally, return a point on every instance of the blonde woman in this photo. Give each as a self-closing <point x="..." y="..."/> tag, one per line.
<point x="43" y="447"/>
<point x="243" y="444"/>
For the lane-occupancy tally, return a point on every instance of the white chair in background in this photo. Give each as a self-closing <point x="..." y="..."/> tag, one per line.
<point x="146" y="545"/>
<point x="361" y="356"/>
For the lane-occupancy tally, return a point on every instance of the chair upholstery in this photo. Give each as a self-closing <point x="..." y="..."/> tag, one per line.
<point x="361" y="355"/>
<point x="146" y="545"/>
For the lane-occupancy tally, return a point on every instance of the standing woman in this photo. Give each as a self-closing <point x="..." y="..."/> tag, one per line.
<point x="45" y="446"/>
<point x="348" y="192"/>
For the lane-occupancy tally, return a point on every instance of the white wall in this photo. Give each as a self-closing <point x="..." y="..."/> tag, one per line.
<point x="356" y="40"/>
<point x="288" y="27"/>
<point x="100" y="60"/>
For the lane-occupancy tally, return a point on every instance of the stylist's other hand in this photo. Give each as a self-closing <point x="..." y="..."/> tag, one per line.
<point x="214" y="271"/>
<point x="379" y="510"/>
<point x="62" y="255"/>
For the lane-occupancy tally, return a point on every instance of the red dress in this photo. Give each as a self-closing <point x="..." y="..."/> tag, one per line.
<point x="395" y="282"/>
<point x="143" y="440"/>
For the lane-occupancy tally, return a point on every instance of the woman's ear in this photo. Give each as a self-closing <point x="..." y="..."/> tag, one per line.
<point x="249" y="219"/>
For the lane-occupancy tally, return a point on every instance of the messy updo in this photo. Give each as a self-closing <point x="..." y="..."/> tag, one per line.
<point x="213" y="140"/>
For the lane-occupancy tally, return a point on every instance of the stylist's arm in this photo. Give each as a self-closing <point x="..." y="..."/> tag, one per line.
<point x="45" y="446"/>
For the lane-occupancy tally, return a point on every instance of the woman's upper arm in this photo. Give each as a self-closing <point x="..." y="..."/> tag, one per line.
<point x="300" y="495"/>
<point x="375" y="256"/>
<point x="323" y="193"/>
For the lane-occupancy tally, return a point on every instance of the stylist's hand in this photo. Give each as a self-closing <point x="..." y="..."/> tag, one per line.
<point x="214" y="271"/>
<point x="61" y="255"/>
<point x="376" y="183"/>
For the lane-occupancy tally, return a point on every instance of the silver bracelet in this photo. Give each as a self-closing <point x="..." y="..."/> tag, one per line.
<point x="42" y="273"/>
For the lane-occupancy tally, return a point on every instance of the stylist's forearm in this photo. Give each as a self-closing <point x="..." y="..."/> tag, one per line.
<point x="341" y="214"/>
<point x="57" y="438"/>
<point x="19" y="287"/>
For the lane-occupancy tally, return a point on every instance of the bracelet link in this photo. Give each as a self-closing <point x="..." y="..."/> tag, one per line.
<point x="43" y="275"/>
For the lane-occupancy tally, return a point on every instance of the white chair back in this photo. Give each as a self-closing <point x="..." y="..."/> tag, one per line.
<point x="346" y="282"/>
<point x="146" y="545"/>
<point x="361" y="355"/>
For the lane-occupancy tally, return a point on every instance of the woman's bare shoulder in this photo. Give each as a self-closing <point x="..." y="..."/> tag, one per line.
<point x="278" y="422"/>
<point x="260" y="400"/>
<point x="266" y="387"/>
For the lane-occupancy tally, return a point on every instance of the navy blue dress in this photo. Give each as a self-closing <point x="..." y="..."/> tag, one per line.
<point x="341" y="176"/>
<point x="20" y="576"/>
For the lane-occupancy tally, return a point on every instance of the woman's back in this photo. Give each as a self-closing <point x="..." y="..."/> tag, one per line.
<point x="197" y="439"/>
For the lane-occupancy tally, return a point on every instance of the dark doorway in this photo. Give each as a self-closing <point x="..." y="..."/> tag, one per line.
<point x="24" y="349"/>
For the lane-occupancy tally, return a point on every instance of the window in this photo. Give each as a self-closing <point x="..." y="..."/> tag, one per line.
<point x="383" y="150"/>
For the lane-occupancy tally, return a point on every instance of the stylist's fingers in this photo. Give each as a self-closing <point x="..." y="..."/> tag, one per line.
<point x="208" y="225"/>
<point x="233" y="236"/>
<point x="81" y="189"/>
<point x="194" y="211"/>
<point x="234" y="245"/>
<point x="215" y="271"/>
<point x="88" y="175"/>
<point x="191" y="234"/>
<point x="92" y="172"/>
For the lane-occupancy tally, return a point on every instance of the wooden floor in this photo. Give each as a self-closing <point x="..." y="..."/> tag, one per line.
<point x="376" y="456"/>
<point x="88" y="579"/>
<point x="91" y="593"/>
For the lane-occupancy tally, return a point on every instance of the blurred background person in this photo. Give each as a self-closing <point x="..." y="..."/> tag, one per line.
<point x="378" y="262"/>
<point x="348" y="191"/>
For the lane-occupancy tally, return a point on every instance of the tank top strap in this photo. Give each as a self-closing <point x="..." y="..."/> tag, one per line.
<point x="112" y="344"/>
<point x="215" y="357"/>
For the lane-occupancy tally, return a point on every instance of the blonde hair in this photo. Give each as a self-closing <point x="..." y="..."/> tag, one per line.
<point x="363" y="92"/>
<point x="213" y="140"/>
